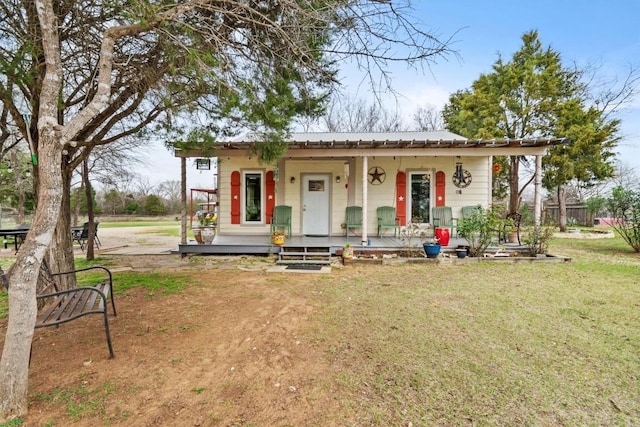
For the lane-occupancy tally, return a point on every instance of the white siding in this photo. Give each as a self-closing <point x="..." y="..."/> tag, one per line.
<point x="378" y="195"/>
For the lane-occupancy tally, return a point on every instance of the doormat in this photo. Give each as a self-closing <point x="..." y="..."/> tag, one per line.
<point x="300" y="269"/>
<point x="304" y="267"/>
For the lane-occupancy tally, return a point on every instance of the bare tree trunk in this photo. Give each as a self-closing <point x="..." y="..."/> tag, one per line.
<point x="77" y="205"/>
<point x="61" y="253"/>
<point x="17" y="174"/>
<point x="514" y="183"/>
<point x="562" y="208"/>
<point x="92" y="225"/>
<point x="14" y="369"/>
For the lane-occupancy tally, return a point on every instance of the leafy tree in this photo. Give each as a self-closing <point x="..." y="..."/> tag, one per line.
<point x="113" y="202"/>
<point x="94" y="72"/>
<point x="153" y="205"/>
<point x="588" y="158"/>
<point x="531" y="96"/>
<point x="624" y="207"/>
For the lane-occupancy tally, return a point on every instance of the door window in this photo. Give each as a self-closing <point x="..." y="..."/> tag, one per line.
<point x="420" y="197"/>
<point x="253" y="200"/>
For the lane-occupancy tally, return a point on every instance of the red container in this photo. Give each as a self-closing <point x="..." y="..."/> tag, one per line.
<point x="442" y="234"/>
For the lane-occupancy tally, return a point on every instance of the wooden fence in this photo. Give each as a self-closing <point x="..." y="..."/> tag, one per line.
<point x="578" y="211"/>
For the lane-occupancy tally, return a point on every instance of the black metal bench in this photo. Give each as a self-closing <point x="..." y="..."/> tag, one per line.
<point x="67" y="305"/>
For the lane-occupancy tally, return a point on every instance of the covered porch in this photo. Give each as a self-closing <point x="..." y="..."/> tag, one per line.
<point x="322" y="175"/>
<point x="261" y="245"/>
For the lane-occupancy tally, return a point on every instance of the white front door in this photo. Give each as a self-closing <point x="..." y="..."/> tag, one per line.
<point x="315" y="204"/>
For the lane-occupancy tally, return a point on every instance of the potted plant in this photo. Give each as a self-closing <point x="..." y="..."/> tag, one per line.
<point x="479" y="228"/>
<point x="277" y="238"/>
<point x="207" y="222"/>
<point x="432" y="247"/>
<point x="511" y="234"/>
<point x="347" y="252"/>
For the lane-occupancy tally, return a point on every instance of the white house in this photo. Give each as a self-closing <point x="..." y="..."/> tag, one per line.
<point x="323" y="173"/>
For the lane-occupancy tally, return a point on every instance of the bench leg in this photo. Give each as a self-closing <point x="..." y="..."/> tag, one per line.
<point x="106" y="330"/>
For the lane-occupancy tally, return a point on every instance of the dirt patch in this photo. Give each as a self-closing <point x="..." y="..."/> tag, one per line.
<point x="231" y="349"/>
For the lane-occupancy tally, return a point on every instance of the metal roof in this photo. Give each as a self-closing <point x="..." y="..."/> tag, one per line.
<point x="395" y="140"/>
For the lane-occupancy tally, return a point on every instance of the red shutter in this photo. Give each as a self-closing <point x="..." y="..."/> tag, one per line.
<point x="401" y="197"/>
<point x="440" y="188"/>
<point x="235" y="197"/>
<point x="271" y="195"/>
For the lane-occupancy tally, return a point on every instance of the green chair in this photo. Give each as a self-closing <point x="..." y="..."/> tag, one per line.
<point x="467" y="211"/>
<point x="387" y="219"/>
<point x="353" y="218"/>
<point x="281" y="218"/>
<point x="442" y="217"/>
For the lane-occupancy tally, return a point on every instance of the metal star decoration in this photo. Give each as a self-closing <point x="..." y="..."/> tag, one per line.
<point x="377" y="175"/>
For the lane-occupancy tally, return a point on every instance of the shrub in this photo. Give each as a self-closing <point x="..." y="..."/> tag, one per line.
<point x="479" y="228"/>
<point x="537" y="239"/>
<point x="411" y="236"/>
<point x="624" y="206"/>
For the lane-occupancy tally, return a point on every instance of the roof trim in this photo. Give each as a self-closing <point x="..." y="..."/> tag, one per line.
<point x="302" y="144"/>
<point x="387" y="143"/>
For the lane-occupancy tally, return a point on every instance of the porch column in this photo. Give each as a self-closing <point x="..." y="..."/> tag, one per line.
<point x="365" y="170"/>
<point x="537" y="201"/>
<point x="183" y="200"/>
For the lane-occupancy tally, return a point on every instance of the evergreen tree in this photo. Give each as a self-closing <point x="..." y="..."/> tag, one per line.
<point x="531" y="96"/>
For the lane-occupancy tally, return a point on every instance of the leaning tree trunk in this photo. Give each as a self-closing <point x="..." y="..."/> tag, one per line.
<point x="14" y="369"/>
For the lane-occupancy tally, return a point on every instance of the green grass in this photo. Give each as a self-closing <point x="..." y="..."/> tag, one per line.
<point x="160" y="227"/>
<point x="474" y="343"/>
<point x="80" y="401"/>
<point x="154" y="283"/>
<point x="490" y="344"/>
<point x="123" y="224"/>
<point x="4" y="304"/>
<point x="13" y="423"/>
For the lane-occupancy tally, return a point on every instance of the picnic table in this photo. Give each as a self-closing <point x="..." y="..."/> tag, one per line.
<point x="18" y="234"/>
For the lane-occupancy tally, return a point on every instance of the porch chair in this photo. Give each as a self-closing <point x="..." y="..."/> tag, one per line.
<point x="353" y="218"/>
<point x="467" y="211"/>
<point x="281" y="218"/>
<point x="387" y="219"/>
<point x="442" y="217"/>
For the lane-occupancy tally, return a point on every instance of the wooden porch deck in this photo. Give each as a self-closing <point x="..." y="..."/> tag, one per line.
<point x="261" y="244"/>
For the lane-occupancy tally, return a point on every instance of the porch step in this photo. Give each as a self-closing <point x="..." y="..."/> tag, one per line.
<point x="304" y="255"/>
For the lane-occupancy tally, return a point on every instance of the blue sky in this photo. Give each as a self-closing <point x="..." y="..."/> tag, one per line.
<point x="605" y="33"/>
